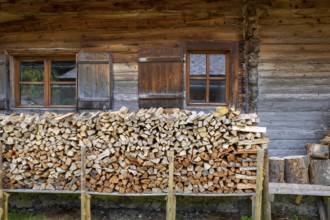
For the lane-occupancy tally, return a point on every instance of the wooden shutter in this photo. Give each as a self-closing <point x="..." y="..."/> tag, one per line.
<point x="4" y="83"/>
<point x="94" y="80"/>
<point x="160" y="77"/>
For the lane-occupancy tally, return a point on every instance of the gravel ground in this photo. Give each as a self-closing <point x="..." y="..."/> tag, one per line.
<point x="62" y="213"/>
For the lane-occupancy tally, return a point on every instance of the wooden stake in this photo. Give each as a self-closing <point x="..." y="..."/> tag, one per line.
<point x="327" y="202"/>
<point x="260" y="177"/>
<point x="6" y="198"/>
<point x="88" y="206"/>
<point x="85" y="208"/>
<point x="321" y="208"/>
<point x="2" y="199"/>
<point x="266" y="208"/>
<point x="171" y="200"/>
<point x="253" y="202"/>
<point x="298" y="199"/>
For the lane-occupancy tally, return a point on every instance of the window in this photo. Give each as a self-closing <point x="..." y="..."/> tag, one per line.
<point x="45" y="82"/>
<point x="212" y="73"/>
<point x="207" y="74"/>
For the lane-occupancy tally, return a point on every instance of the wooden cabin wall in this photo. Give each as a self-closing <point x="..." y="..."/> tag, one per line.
<point x="119" y="27"/>
<point x="294" y="73"/>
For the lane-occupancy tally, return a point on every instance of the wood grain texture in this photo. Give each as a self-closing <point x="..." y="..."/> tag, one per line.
<point x="94" y="80"/>
<point x="319" y="172"/>
<point x="3" y="82"/>
<point x="294" y="73"/>
<point x="161" y="82"/>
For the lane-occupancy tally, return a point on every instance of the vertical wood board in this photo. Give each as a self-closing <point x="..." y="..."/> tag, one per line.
<point x="160" y="77"/>
<point x="94" y="80"/>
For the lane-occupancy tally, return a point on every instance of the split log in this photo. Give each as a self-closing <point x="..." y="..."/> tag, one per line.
<point x="296" y="169"/>
<point x="318" y="151"/>
<point x="276" y="170"/>
<point x="319" y="172"/>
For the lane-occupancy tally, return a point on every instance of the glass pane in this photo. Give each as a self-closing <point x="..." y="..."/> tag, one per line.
<point x="63" y="71"/>
<point x="32" y="71"/>
<point x="197" y="91"/>
<point x="217" y="65"/>
<point x="32" y="94"/>
<point x="63" y="94"/>
<point x="217" y="91"/>
<point x="197" y="64"/>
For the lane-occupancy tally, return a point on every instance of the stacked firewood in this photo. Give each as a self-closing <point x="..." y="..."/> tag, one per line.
<point x="129" y="152"/>
<point x="216" y="152"/>
<point x="40" y="151"/>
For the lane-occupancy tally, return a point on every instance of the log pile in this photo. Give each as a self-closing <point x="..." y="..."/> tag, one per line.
<point x="216" y="153"/>
<point x="129" y="152"/>
<point x="41" y="152"/>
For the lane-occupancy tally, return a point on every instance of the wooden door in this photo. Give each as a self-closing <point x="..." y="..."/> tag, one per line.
<point x="160" y="77"/>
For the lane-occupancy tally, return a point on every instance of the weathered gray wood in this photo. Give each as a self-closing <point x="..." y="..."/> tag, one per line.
<point x="281" y="153"/>
<point x="321" y="207"/>
<point x="319" y="172"/>
<point x="3" y="82"/>
<point x="298" y="88"/>
<point x="299" y="189"/>
<point x="292" y="67"/>
<point x="132" y="105"/>
<point x="293" y="116"/>
<point x="312" y="124"/>
<point x="285" y="105"/>
<point x="125" y="71"/>
<point x="94" y="80"/>
<point x="259" y="185"/>
<point x="276" y="170"/>
<point x="293" y="96"/>
<point x="296" y="169"/>
<point x="266" y="207"/>
<point x="125" y="90"/>
<point x="294" y="134"/>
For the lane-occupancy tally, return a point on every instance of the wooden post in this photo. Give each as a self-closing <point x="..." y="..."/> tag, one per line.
<point x="253" y="202"/>
<point x="321" y="208"/>
<point x="259" y="185"/>
<point x="2" y="199"/>
<point x="84" y="198"/>
<point x="171" y="200"/>
<point x="266" y="208"/>
<point x="6" y="198"/>
<point x="327" y="202"/>
<point x="88" y="206"/>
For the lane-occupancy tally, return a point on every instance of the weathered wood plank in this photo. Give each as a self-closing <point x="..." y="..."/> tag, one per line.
<point x="299" y="189"/>
<point x="94" y="80"/>
<point x="286" y="68"/>
<point x="275" y="116"/>
<point x="284" y="105"/>
<point x="126" y="90"/>
<point x="302" y="96"/>
<point x="297" y="134"/>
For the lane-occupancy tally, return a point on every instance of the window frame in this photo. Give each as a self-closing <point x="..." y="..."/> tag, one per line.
<point x="232" y="62"/>
<point x="46" y="83"/>
<point x="207" y="77"/>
